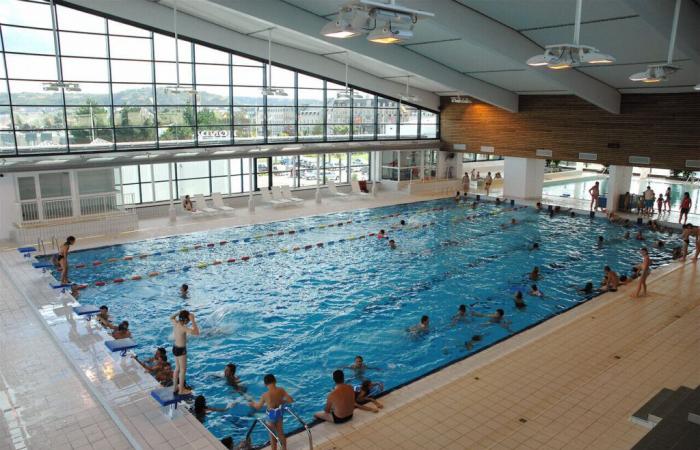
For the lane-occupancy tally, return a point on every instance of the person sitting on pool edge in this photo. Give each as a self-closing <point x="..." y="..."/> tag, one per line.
<point x="470" y="343"/>
<point x="518" y="299"/>
<point x="187" y="204"/>
<point x="158" y="366"/>
<point x="275" y="398"/>
<point x="122" y="331"/>
<point x="185" y="291"/>
<point x="363" y="396"/>
<point x="461" y="314"/>
<point x="610" y="281"/>
<point x="535" y="291"/>
<point x="422" y="327"/>
<point x="340" y="403"/>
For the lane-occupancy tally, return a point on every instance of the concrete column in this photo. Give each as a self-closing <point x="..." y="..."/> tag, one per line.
<point x="74" y="192"/>
<point x="172" y="214"/>
<point x="9" y="205"/>
<point x="522" y="177"/>
<point x="619" y="182"/>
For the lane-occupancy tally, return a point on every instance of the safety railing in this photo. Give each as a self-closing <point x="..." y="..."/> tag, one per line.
<point x="247" y="442"/>
<point x="61" y="209"/>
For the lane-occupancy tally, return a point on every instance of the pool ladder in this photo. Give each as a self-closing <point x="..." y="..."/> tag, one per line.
<point x="246" y="444"/>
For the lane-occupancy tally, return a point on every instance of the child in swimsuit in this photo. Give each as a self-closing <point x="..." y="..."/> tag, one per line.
<point x="275" y="398"/>
<point x="363" y="396"/>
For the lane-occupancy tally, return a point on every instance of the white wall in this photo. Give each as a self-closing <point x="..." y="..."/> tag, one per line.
<point x="523" y="177"/>
<point x="449" y="167"/>
<point x="8" y="209"/>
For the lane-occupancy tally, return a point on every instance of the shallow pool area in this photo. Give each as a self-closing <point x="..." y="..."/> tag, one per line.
<point x="301" y="298"/>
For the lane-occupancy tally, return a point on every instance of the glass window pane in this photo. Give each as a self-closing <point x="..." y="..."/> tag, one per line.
<point x="386" y="103"/>
<point x="132" y="193"/>
<point x="210" y="74"/>
<point x="54" y="184"/>
<point x="27" y="188"/>
<point x="94" y="139"/>
<point x="235" y="165"/>
<point x="160" y="171"/>
<point x="428" y="124"/>
<point x="248" y="134"/>
<point x="129" y="48"/>
<point x="240" y="60"/>
<point x="146" y="192"/>
<point x="95" y="181"/>
<point x="175" y="136"/>
<point x="81" y="69"/>
<point x="166" y="73"/>
<point x="409" y="122"/>
<point x="306" y="81"/>
<point x="135" y="137"/>
<point x="281" y="115"/>
<point x="219" y="167"/>
<point x="281" y="133"/>
<point x="41" y="141"/>
<point x="360" y="132"/>
<point x="4" y="94"/>
<point x="311" y="115"/>
<point x="134" y="116"/>
<point x="31" y="67"/>
<point x="127" y="30"/>
<point x="278" y="100"/>
<point x="25" y="13"/>
<point x="26" y="40"/>
<point x="204" y="54"/>
<point x="247" y="96"/>
<point x="213" y="116"/>
<point x="72" y="19"/>
<point x="386" y="131"/>
<point x="248" y="115"/>
<point x="130" y="174"/>
<point x="220" y="184"/>
<point x="282" y="77"/>
<point x="311" y="132"/>
<point x="247" y="76"/>
<point x="361" y="99"/>
<point x="176" y="115"/>
<point x="166" y="96"/>
<point x="89" y="116"/>
<point x="386" y="115"/>
<point x="33" y="93"/>
<point x="163" y="191"/>
<point x="338" y="115"/>
<point x="5" y="118"/>
<point x="79" y="44"/>
<point x="7" y="143"/>
<point x="311" y="97"/>
<point x="38" y="117"/>
<point x="338" y="132"/>
<point x="192" y="169"/>
<point x="362" y="116"/>
<point x="213" y="95"/>
<point x="90" y="93"/>
<point x="193" y="187"/>
<point x="164" y="48"/>
<point x="132" y="71"/>
<point x="132" y="94"/>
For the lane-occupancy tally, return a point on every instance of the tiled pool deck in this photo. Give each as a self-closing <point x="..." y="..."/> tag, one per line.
<point x="571" y="382"/>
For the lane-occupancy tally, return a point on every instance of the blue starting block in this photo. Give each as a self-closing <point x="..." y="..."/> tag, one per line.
<point x="167" y="398"/>
<point x="26" y="251"/>
<point x="42" y="264"/>
<point x="86" y="310"/>
<point x="120" y="345"/>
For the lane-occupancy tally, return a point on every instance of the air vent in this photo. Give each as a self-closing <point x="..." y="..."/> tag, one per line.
<point x="639" y="160"/>
<point x="486" y="149"/>
<point x="543" y="152"/>
<point x="459" y="147"/>
<point x="588" y="156"/>
<point x="694" y="163"/>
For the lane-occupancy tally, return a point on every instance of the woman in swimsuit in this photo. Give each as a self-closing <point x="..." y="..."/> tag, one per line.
<point x="595" y="193"/>
<point x="644" y="268"/>
<point x="187" y="204"/>
<point x="61" y="259"/>
<point x="685" y="207"/>
<point x="667" y="201"/>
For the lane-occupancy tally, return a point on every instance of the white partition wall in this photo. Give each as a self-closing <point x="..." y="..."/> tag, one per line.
<point x="619" y="182"/>
<point x="523" y="177"/>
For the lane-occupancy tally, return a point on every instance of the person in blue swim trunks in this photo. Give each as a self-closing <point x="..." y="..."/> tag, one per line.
<point x="275" y="398"/>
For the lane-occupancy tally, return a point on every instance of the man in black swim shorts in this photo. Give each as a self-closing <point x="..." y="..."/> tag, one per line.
<point x="340" y="403"/>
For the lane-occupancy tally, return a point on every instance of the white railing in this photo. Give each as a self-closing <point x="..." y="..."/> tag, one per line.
<point x="62" y="209"/>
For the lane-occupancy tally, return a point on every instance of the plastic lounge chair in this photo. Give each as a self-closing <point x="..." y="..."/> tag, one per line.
<point x="267" y="198"/>
<point x="201" y="204"/>
<point x="334" y="190"/>
<point x="356" y="189"/>
<point x="286" y="194"/>
<point x="218" y="202"/>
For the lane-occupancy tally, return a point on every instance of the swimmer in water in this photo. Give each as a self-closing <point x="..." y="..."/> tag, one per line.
<point x="497" y="317"/>
<point x="122" y="331"/>
<point x="498" y="200"/>
<point x="474" y="205"/>
<point x="600" y="241"/>
<point x="535" y="246"/>
<point x="461" y="315"/>
<point x="392" y="244"/>
<point x="535" y="291"/>
<point x="626" y="235"/>
<point x="535" y="274"/>
<point x="538" y="206"/>
<point x="422" y="328"/>
<point x="381" y="234"/>
<point x="639" y="236"/>
<point x="587" y="289"/>
<point x="184" y="291"/>
<point x="470" y="343"/>
<point x="360" y="367"/>
<point x="572" y="214"/>
<point x="458" y="197"/>
<point x="518" y="299"/>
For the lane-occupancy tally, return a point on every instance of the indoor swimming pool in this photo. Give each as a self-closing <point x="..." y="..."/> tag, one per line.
<point x="303" y="297"/>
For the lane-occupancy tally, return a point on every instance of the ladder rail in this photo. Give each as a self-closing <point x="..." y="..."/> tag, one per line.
<point x="304" y="424"/>
<point x="272" y="432"/>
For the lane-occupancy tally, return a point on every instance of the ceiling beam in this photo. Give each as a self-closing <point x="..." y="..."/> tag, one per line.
<point x="659" y="15"/>
<point x="154" y="15"/>
<point x="288" y="16"/>
<point x="481" y="30"/>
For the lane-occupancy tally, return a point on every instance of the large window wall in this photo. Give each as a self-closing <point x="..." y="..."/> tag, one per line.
<point x="124" y="103"/>
<point x="145" y="183"/>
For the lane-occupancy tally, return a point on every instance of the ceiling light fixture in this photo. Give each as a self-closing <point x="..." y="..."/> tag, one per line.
<point x="177" y="89"/>
<point x="46" y="162"/>
<point x="384" y="23"/>
<point x="566" y="56"/>
<point x="347" y="93"/>
<point x="269" y="90"/>
<point x="460" y="99"/>
<point x="657" y="73"/>
<point x="60" y="84"/>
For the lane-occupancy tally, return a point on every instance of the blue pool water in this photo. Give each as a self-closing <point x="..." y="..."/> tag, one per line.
<point x="302" y="314"/>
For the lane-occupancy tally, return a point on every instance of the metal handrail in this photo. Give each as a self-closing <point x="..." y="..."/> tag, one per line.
<point x="304" y="424"/>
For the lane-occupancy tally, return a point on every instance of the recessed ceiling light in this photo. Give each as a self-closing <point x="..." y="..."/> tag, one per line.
<point x="258" y="150"/>
<point x="225" y="152"/>
<point x="289" y="149"/>
<point x="101" y="158"/>
<point x="44" y="162"/>
<point x="186" y="154"/>
<point x="144" y="156"/>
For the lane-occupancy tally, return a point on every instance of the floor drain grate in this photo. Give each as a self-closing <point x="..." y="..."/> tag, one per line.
<point x="522" y="420"/>
<point x="477" y="378"/>
<point x="617" y="357"/>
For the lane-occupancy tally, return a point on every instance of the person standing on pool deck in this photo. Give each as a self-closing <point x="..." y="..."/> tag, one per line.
<point x="667" y="200"/>
<point x="61" y="260"/>
<point x="595" y="193"/>
<point x="465" y="183"/>
<point x="340" y="403"/>
<point x="685" y="208"/>
<point x="643" y="272"/>
<point x="180" y="332"/>
<point x="487" y="182"/>
<point x="275" y="398"/>
<point x="649" y="197"/>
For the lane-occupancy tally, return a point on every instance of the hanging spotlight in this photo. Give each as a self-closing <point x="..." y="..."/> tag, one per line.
<point x="178" y="89"/>
<point x="657" y="73"/>
<point x="268" y="90"/>
<point x="388" y="35"/>
<point x="566" y="56"/>
<point x="60" y="84"/>
<point x="342" y="27"/>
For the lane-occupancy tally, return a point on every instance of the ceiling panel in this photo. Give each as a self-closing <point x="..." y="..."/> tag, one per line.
<point x="318" y="7"/>
<point x="465" y="57"/>
<point x="521" y="80"/>
<point x="520" y="14"/>
<point x="628" y="40"/>
<point x="618" y="76"/>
